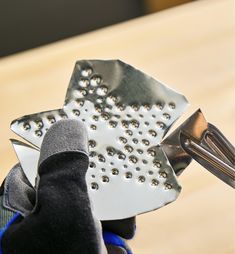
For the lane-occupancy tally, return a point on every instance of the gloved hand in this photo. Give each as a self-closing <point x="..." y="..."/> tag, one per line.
<point x="114" y="233"/>
<point x="61" y="220"/>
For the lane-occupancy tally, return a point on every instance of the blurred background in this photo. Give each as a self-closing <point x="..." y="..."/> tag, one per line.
<point x="188" y="45"/>
<point x="27" y="24"/>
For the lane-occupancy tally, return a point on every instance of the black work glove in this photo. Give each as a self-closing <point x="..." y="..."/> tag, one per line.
<point x="62" y="220"/>
<point x="115" y="233"/>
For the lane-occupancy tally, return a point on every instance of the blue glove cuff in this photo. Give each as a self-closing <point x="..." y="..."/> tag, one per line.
<point x="3" y="230"/>
<point x="113" y="239"/>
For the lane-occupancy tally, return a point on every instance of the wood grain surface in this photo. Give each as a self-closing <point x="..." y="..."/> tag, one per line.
<point x="192" y="49"/>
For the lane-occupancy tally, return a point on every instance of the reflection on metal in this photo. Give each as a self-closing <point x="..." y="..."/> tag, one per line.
<point x="127" y="113"/>
<point x="28" y="158"/>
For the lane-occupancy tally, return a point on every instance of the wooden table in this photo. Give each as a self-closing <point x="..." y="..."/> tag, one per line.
<point x="192" y="49"/>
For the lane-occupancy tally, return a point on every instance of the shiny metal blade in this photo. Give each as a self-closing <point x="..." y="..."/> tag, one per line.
<point x="28" y="158"/>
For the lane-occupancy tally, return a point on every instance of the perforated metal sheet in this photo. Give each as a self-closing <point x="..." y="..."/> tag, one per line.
<point x="127" y="113"/>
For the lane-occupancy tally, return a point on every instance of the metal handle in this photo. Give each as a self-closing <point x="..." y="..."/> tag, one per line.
<point x="214" y="152"/>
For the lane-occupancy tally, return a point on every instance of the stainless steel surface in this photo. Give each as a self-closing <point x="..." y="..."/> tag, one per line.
<point x="28" y="157"/>
<point x="127" y="114"/>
